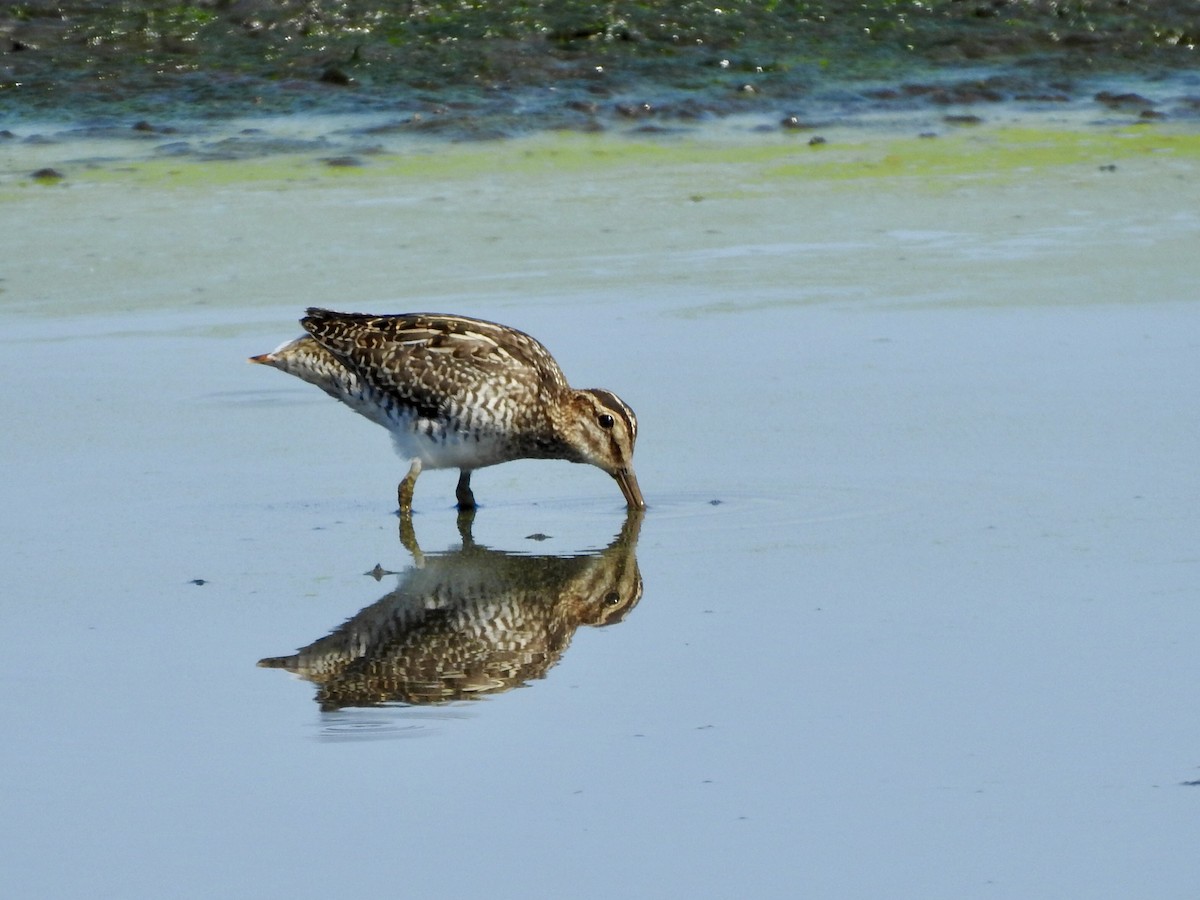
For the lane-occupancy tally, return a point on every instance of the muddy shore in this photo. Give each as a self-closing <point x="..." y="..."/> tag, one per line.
<point x="476" y="71"/>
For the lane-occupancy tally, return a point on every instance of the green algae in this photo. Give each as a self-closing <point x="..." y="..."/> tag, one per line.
<point x="991" y="154"/>
<point x="978" y="153"/>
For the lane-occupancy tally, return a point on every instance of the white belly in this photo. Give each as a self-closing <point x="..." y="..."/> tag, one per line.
<point x="478" y="440"/>
<point x="440" y="448"/>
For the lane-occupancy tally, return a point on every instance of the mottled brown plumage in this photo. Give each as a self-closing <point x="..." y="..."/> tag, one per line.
<point x="468" y="623"/>
<point x="461" y="393"/>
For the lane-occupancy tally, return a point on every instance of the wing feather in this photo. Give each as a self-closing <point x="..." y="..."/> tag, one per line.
<point x="431" y="362"/>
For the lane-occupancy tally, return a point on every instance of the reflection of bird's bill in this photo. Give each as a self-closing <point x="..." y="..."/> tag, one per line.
<point x="629" y="487"/>
<point x="627" y="537"/>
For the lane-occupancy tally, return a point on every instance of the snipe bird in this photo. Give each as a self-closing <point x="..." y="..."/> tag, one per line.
<point x="460" y="393"/>
<point x="469" y="623"/>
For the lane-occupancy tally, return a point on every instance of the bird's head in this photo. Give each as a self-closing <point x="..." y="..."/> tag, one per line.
<point x="601" y="430"/>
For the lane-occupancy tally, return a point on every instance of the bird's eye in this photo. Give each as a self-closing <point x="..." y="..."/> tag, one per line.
<point x="612" y="598"/>
<point x="606" y="421"/>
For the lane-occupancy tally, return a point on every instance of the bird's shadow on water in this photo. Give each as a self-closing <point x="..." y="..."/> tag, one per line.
<point x="461" y="625"/>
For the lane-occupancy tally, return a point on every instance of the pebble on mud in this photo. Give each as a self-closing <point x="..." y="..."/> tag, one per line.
<point x="149" y="128"/>
<point x="634" y="110"/>
<point x="47" y="175"/>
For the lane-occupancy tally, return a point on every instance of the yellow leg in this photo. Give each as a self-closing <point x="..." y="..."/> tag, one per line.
<point x="466" y="500"/>
<point x="404" y="493"/>
<point x="408" y="537"/>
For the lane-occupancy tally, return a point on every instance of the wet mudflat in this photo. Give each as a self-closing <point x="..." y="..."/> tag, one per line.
<point x="482" y="70"/>
<point x="909" y="613"/>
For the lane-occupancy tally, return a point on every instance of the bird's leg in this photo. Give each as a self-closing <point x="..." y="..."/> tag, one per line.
<point x="408" y="537"/>
<point x="466" y="517"/>
<point x="404" y="493"/>
<point x="466" y="500"/>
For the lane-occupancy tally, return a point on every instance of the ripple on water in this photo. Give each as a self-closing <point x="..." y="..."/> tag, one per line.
<point x="386" y="722"/>
<point x="800" y="506"/>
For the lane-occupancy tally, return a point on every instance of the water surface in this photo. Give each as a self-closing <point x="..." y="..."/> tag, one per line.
<point x="917" y="578"/>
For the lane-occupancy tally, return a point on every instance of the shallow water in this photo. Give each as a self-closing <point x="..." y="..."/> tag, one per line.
<point x="918" y="575"/>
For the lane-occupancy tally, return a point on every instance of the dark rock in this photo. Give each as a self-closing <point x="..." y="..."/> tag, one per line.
<point x="334" y="75"/>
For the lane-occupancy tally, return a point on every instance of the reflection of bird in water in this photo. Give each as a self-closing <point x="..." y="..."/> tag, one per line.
<point x="461" y="393"/>
<point x="469" y="622"/>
